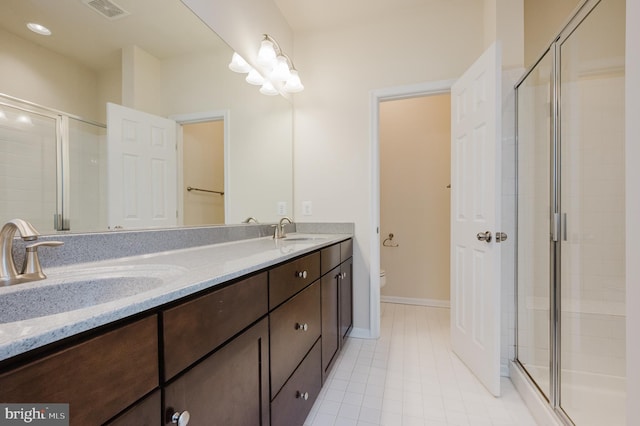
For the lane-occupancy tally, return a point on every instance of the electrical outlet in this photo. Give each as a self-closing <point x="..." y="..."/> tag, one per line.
<point x="307" y="208"/>
<point x="282" y="208"/>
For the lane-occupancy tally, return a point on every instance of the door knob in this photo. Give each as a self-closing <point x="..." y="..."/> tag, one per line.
<point x="181" y="419"/>
<point x="484" y="236"/>
<point x="500" y="236"/>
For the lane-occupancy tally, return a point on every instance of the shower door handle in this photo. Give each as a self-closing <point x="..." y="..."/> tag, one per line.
<point x="484" y="236"/>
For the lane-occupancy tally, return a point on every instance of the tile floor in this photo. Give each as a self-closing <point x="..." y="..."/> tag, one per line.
<point x="410" y="377"/>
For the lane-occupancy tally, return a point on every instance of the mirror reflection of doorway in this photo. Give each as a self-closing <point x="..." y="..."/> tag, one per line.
<point x="203" y="169"/>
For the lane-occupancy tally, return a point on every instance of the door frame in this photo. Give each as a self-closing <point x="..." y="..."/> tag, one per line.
<point x="202" y="117"/>
<point x="377" y="96"/>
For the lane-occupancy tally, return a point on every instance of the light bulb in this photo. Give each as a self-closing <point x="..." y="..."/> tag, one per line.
<point x="238" y="64"/>
<point x="266" y="54"/>
<point x="281" y="70"/>
<point x="254" y="77"/>
<point x="293" y="84"/>
<point x="268" y="89"/>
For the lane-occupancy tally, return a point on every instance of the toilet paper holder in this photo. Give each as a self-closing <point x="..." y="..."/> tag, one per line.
<point x="388" y="242"/>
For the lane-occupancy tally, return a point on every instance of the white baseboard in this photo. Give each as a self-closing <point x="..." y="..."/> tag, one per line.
<point x="435" y="303"/>
<point x="360" y="333"/>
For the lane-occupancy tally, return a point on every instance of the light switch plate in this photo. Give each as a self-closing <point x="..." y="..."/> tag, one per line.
<point x="282" y="208"/>
<point x="307" y="208"/>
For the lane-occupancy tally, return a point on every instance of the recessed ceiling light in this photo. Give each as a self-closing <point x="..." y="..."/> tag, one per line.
<point x="39" y="29"/>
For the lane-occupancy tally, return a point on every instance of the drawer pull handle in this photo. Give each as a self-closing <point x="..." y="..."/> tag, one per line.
<point x="302" y="395"/>
<point x="181" y="419"/>
<point x="301" y="274"/>
<point x="302" y="327"/>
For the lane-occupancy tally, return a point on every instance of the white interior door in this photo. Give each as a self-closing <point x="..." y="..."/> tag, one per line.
<point x="141" y="156"/>
<point x="475" y="210"/>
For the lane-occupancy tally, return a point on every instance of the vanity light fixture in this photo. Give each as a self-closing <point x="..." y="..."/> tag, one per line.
<point x="238" y="64"/>
<point x="280" y="73"/>
<point x="39" y="29"/>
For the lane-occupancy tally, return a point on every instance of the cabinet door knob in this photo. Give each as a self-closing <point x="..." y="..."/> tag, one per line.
<point x="302" y="327"/>
<point x="343" y="275"/>
<point x="301" y="274"/>
<point x="302" y="395"/>
<point x="181" y="419"/>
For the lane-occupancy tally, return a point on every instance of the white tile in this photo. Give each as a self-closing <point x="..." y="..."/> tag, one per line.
<point x="353" y="398"/>
<point x="349" y="411"/>
<point x="343" y="421"/>
<point x="371" y="415"/>
<point x="410" y="376"/>
<point x="323" y="419"/>
<point x="329" y="407"/>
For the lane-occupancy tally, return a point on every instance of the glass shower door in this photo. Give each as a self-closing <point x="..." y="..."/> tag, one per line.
<point x="534" y="242"/>
<point x="28" y="167"/>
<point x="592" y="306"/>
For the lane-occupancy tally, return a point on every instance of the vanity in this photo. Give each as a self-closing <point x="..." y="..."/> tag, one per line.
<point x="238" y="333"/>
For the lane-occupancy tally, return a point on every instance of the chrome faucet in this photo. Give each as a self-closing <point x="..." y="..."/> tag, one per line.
<point x="279" y="231"/>
<point x="31" y="269"/>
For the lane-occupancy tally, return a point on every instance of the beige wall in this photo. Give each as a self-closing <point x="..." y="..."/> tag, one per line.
<point x="543" y="20"/>
<point x="27" y="71"/>
<point x="415" y="169"/>
<point x="203" y="151"/>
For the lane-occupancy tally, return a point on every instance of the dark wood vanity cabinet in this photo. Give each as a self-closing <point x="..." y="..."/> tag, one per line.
<point x="330" y="319"/>
<point x="254" y="351"/>
<point x="144" y="413"/>
<point x="98" y="378"/>
<point x="193" y="329"/>
<point x="294" y="401"/>
<point x="346" y="288"/>
<point x="230" y="387"/>
<point x="337" y="300"/>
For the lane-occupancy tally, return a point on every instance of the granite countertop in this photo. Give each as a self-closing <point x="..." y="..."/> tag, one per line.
<point x="152" y="281"/>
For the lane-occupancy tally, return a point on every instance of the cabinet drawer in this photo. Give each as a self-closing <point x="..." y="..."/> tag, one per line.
<point x="293" y="403"/>
<point x="329" y="258"/>
<point x="195" y="328"/>
<point x="346" y="250"/>
<point x="290" y="278"/>
<point x="97" y="378"/>
<point x="295" y="326"/>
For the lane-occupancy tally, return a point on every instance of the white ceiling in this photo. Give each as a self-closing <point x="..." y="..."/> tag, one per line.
<point x="164" y="28"/>
<point x="305" y="15"/>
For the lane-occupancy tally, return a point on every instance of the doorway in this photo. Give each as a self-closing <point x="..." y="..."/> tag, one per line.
<point x="203" y="172"/>
<point x="377" y="97"/>
<point x="415" y="172"/>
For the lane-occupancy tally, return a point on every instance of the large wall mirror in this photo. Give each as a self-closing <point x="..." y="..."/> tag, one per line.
<point x="150" y="57"/>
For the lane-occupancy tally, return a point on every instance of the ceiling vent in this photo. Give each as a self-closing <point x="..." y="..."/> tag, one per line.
<point x="107" y="8"/>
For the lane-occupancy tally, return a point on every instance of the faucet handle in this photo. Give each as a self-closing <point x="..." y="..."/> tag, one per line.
<point x="31" y="267"/>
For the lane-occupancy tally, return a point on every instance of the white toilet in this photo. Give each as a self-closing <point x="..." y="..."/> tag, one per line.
<point x="383" y="278"/>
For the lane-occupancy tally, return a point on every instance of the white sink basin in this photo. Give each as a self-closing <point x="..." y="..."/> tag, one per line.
<point x="304" y="237"/>
<point x="79" y="289"/>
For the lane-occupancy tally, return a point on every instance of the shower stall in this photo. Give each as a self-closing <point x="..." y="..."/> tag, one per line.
<point x="571" y="320"/>
<point x="52" y="168"/>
